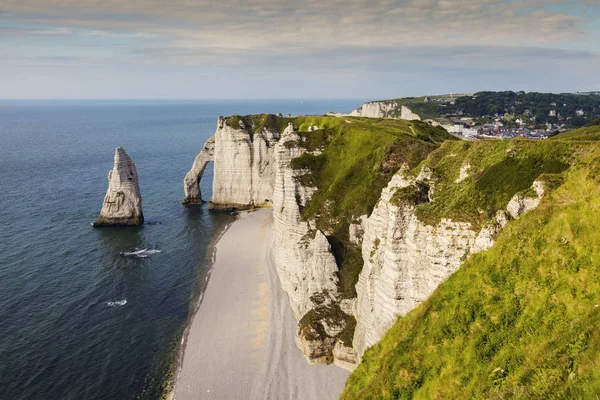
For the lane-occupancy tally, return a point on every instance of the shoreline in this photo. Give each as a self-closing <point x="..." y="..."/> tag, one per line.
<point x="239" y="342"/>
<point x="170" y="395"/>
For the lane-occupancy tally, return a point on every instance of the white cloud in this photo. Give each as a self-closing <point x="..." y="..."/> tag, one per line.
<point x="51" y="32"/>
<point x="115" y="34"/>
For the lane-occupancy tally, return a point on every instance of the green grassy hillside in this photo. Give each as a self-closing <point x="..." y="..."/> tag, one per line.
<point x="517" y="321"/>
<point x="587" y="133"/>
<point x="497" y="171"/>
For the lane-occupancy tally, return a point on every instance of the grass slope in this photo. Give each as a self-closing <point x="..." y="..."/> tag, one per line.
<point x="497" y="171"/>
<point x="517" y="321"/>
<point x="591" y="133"/>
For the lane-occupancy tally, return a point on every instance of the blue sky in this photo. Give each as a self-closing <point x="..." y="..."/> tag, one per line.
<point x="288" y="49"/>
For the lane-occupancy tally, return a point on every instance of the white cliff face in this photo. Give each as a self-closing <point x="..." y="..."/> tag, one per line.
<point x="254" y="170"/>
<point x="243" y="167"/>
<point x="406" y="113"/>
<point x="521" y="203"/>
<point x="244" y="174"/>
<point x="302" y="254"/>
<point x="123" y="203"/>
<point x="380" y="109"/>
<point x="405" y="260"/>
<point x="191" y="181"/>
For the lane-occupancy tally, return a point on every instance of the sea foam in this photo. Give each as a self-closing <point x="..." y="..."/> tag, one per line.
<point x="116" y="303"/>
<point x="140" y="253"/>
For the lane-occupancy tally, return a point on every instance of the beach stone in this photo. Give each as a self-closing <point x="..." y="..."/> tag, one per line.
<point x="122" y="204"/>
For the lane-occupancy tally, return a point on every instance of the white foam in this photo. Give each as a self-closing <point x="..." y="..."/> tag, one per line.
<point x="140" y="253"/>
<point x="116" y="303"/>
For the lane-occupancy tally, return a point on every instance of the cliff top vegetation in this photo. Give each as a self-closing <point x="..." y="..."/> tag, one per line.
<point x="517" y="321"/>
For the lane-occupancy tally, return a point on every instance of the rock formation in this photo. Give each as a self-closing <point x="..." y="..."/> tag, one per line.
<point x="304" y="261"/>
<point x="122" y="204"/>
<point x="243" y="169"/>
<point x="405" y="260"/>
<point x="191" y="182"/>
<point x="384" y="109"/>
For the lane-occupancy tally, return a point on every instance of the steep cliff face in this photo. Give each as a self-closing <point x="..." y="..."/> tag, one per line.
<point x="123" y="203"/>
<point x="303" y="257"/>
<point x="384" y="109"/>
<point x="406" y="259"/>
<point x="243" y="155"/>
<point x="370" y="215"/>
<point x="430" y="220"/>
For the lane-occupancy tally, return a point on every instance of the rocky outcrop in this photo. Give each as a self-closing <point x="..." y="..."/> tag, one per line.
<point x="405" y="259"/>
<point x="243" y="167"/>
<point x="527" y="201"/>
<point x="406" y="113"/>
<point x="384" y="109"/>
<point x="376" y="109"/>
<point x="122" y="204"/>
<point x="191" y="182"/>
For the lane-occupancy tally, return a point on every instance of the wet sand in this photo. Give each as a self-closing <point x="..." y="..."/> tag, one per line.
<point x="241" y="341"/>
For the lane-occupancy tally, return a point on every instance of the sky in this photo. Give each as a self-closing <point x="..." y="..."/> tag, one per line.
<point x="290" y="49"/>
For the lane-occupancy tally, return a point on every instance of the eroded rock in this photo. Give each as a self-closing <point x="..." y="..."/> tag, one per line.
<point x="122" y="204"/>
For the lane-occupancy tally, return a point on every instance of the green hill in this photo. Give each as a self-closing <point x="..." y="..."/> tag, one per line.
<point x="587" y="133"/>
<point x="519" y="320"/>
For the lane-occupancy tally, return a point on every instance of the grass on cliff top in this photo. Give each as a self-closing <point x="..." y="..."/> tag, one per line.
<point x="498" y="170"/>
<point x="256" y="122"/>
<point x="591" y="133"/>
<point x="358" y="158"/>
<point x="518" y="321"/>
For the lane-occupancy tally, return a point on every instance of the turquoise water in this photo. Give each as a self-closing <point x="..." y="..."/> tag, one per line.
<point x="79" y="318"/>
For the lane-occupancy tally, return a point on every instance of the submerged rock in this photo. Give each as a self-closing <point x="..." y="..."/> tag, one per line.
<point x="122" y="204"/>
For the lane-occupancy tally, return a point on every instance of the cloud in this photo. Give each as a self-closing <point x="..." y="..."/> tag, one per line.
<point x="109" y="34"/>
<point x="51" y="32"/>
<point x="353" y="39"/>
<point x="285" y="23"/>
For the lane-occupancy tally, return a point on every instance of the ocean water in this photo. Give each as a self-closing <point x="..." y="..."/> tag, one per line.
<point x="99" y="313"/>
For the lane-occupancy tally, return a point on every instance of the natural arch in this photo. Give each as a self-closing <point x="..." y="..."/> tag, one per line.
<point x="191" y="182"/>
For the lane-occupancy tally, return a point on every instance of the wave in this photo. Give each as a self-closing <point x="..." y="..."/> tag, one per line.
<point x="116" y="303"/>
<point x="140" y="253"/>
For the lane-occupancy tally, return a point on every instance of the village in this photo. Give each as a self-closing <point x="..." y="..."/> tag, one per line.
<point x="508" y="125"/>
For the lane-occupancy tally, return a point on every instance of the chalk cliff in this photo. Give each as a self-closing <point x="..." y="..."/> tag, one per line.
<point x="191" y="182"/>
<point x="243" y="156"/>
<point x="384" y="109"/>
<point x="404" y="258"/>
<point x="123" y="203"/>
<point x="303" y="258"/>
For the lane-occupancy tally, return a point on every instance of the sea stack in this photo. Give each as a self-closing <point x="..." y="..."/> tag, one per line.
<point x="122" y="204"/>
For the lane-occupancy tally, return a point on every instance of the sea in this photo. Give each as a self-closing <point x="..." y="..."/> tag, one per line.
<point x="99" y="313"/>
